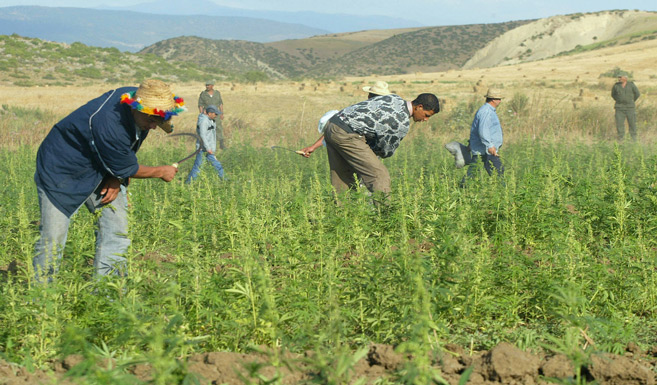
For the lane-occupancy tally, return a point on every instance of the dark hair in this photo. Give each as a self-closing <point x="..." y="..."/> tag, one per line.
<point x="428" y="101"/>
<point x="488" y="100"/>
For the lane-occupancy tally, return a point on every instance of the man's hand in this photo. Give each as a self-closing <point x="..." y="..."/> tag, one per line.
<point x="492" y="151"/>
<point x="168" y="173"/>
<point x="110" y="190"/>
<point x="306" y="151"/>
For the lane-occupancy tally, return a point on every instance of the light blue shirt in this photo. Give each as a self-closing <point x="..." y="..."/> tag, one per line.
<point x="206" y="130"/>
<point x="486" y="131"/>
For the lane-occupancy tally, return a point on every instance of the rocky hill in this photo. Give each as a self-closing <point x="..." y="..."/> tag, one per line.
<point x="235" y="56"/>
<point x="336" y="55"/>
<point x="425" y="50"/>
<point x="27" y="62"/>
<point x="556" y="35"/>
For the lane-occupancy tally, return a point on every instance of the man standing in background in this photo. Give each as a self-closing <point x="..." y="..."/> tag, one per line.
<point x="625" y="94"/>
<point x="212" y="97"/>
<point x="486" y="136"/>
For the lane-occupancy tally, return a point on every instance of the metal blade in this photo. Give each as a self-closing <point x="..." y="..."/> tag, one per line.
<point x="199" y="149"/>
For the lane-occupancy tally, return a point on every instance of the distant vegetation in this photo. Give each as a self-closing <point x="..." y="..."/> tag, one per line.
<point x="427" y="49"/>
<point x="627" y="39"/>
<point x="29" y="62"/>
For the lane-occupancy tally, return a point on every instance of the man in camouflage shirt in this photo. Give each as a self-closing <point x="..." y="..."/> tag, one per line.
<point x="358" y="135"/>
<point x="212" y="97"/>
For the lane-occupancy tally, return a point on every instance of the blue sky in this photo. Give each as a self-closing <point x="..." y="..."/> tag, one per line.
<point x="425" y="12"/>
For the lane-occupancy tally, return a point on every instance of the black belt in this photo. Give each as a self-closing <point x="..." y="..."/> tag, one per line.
<point x="338" y="122"/>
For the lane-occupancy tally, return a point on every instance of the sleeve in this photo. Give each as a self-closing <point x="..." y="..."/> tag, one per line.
<point x="636" y="91"/>
<point x="200" y="101"/>
<point x="613" y="92"/>
<point x="112" y="143"/>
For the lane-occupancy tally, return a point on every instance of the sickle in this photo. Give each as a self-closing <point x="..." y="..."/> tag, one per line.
<point x="198" y="140"/>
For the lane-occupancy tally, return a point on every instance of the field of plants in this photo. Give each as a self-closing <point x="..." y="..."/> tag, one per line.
<point x="558" y="257"/>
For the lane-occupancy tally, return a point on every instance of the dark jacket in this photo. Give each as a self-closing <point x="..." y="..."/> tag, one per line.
<point x="97" y="140"/>
<point x="625" y="96"/>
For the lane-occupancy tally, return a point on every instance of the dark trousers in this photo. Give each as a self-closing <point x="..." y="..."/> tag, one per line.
<point x="490" y="162"/>
<point x="622" y="115"/>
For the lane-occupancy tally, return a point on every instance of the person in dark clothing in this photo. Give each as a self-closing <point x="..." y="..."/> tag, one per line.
<point x="87" y="158"/>
<point x="625" y="93"/>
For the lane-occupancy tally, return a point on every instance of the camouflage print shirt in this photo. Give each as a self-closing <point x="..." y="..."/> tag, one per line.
<point x="383" y="120"/>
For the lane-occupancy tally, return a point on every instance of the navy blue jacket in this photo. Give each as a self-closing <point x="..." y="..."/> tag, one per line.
<point x="97" y="140"/>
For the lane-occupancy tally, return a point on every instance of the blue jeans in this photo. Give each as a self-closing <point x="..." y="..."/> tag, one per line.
<point x="112" y="240"/>
<point x="198" y="162"/>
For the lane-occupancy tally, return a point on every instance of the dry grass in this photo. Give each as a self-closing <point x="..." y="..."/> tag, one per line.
<point x="281" y="113"/>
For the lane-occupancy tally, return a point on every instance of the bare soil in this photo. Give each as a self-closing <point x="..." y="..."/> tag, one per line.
<point x="504" y="364"/>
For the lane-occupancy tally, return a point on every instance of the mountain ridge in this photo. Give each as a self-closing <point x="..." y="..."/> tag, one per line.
<point x="132" y="31"/>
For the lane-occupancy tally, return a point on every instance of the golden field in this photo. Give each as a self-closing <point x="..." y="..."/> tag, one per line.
<point x="286" y="112"/>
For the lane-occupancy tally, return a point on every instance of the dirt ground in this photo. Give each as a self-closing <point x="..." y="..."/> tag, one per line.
<point x="504" y="364"/>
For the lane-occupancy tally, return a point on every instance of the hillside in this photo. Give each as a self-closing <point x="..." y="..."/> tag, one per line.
<point x="427" y="49"/>
<point x="233" y="55"/>
<point x="336" y="55"/>
<point x="319" y="49"/>
<point x="34" y="62"/>
<point x="132" y="31"/>
<point x="555" y="35"/>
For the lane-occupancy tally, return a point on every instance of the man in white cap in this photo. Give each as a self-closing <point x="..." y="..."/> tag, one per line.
<point x="88" y="159"/>
<point x="486" y="135"/>
<point x="380" y="88"/>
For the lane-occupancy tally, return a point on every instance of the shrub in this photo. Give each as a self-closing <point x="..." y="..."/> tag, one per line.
<point x="616" y="72"/>
<point x="519" y="103"/>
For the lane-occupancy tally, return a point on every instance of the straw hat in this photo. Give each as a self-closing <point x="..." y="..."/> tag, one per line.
<point x="494" y="93"/>
<point x="379" y="88"/>
<point x="154" y="97"/>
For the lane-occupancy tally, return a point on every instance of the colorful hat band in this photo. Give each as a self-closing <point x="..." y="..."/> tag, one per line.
<point x="129" y="99"/>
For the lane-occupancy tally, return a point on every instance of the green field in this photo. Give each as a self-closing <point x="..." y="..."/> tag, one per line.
<point x="565" y="243"/>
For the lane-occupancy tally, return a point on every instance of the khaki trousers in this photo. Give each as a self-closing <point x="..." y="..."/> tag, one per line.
<point x="349" y="154"/>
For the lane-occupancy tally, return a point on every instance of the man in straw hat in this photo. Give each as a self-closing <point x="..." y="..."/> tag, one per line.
<point x="486" y="136"/>
<point x="380" y="88"/>
<point x="358" y="135"/>
<point x="88" y="158"/>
